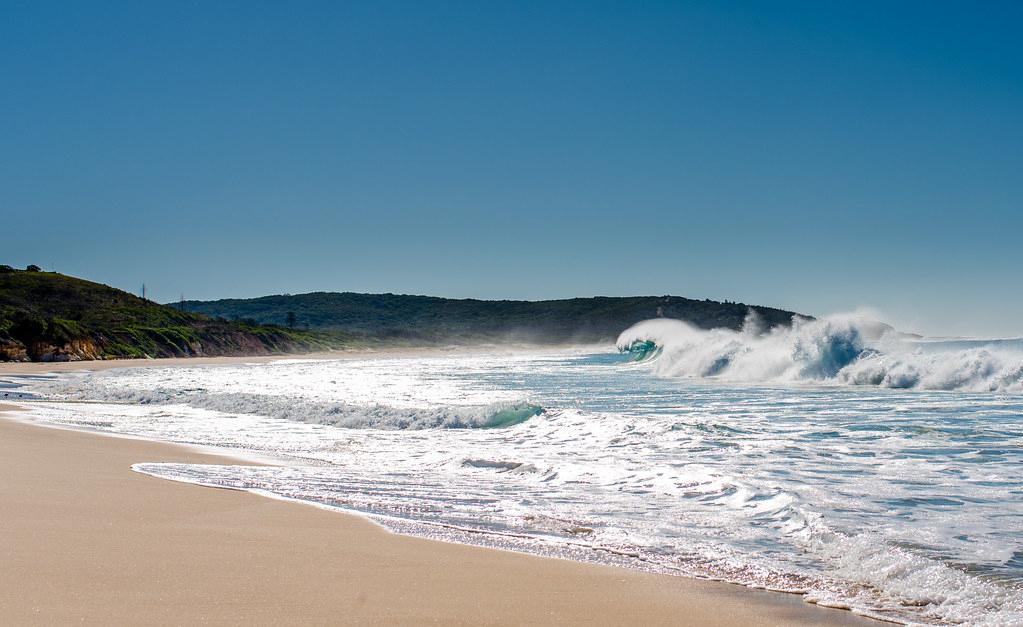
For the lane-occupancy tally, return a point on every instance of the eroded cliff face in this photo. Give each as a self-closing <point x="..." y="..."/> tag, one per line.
<point x="13" y="350"/>
<point x="226" y="344"/>
<point x="75" y="350"/>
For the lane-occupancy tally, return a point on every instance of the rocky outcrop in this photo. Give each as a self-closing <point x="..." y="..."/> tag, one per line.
<point x="75" y="350"/>
<point x="13" y="350"/>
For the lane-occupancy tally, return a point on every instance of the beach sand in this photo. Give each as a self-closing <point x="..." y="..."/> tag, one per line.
<point x="85" y="540"/>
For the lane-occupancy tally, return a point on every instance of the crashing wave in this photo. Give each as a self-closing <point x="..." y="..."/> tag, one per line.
<point x="842" y="349"/>
<point x="641" y="350"/>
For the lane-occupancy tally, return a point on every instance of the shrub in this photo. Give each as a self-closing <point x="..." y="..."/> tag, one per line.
<point x="61" y="331"/>
<point x="27" y="327"/>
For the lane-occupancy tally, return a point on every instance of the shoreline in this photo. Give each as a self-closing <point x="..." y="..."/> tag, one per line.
<point x="228" y="556"/>
<point x="44" y="367"/>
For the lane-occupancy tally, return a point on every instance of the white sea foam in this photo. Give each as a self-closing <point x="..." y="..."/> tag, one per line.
<point x="845" y="349"/>
<point x="288" y="404"/>
<point x="900" y="503"/>
<point x="338" y="414"/>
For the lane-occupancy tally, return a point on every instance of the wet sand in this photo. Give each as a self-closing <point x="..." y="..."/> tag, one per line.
<point x="85" y="540"/>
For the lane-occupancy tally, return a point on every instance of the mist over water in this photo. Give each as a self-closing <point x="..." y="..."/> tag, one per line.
<point x="838" y="459"/>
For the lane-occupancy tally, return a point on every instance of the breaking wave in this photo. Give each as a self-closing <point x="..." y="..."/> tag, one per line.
<point x="338" y="414"/>
<point x="841" y="349"/>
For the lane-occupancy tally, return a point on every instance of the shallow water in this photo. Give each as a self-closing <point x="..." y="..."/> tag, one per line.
<point x="906" y="504"/>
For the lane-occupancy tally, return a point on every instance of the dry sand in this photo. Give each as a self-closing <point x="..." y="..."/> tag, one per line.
<point x="85" y="540"/>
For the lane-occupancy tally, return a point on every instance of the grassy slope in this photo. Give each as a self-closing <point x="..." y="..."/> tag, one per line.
<point x="53" y="316"/>
<point x="425" y="318"/>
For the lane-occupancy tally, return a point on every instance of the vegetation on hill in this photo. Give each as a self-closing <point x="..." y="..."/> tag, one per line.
<point x="425" y="319"/>
<point x="46" y="316"/>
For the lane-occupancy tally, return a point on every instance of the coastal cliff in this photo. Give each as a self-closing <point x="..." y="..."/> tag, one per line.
<point x="46" y="316"/>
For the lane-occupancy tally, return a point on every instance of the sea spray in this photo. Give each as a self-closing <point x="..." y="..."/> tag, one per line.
<point x="841" y="349"/>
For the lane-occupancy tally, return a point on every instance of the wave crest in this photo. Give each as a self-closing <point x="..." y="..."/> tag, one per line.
<point x="842" y="349"/>
<point x="338" y="414"/>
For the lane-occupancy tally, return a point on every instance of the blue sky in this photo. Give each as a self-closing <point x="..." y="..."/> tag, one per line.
<point x="810" y="156"/>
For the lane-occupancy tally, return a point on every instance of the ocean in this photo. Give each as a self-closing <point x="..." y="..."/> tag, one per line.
<point x="837" y="459"/>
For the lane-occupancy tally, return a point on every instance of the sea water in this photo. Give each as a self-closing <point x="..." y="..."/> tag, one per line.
<point x="834" y="459"/>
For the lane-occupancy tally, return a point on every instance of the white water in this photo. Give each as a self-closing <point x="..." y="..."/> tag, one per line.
<point x="838" y="349"/>
<point x="752" y="458"/>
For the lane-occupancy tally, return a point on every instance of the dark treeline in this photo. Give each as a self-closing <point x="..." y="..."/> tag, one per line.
<point x="432" y="319"/>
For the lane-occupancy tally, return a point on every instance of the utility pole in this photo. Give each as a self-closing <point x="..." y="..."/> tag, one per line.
<point x="143" y="291"/>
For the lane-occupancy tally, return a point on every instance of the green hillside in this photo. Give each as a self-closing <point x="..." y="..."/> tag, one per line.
<point x="430" y="319"/>
<point x="46" y="316"/>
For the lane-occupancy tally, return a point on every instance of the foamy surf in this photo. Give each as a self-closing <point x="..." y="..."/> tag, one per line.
<point x="843" y="349"/>
<point x="898" y="503"/>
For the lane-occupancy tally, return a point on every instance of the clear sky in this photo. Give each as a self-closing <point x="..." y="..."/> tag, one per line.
<point x="816" y="156"/>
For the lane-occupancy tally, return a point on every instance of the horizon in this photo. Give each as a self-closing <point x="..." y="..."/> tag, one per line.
<point x="807" y="158"/>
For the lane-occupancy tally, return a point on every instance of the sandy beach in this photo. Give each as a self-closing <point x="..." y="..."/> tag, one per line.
<point x="87" y="540"/>
<point x="37" y="367"/>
